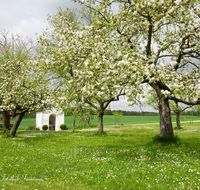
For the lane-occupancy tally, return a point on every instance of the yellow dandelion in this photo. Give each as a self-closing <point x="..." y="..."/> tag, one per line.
<point x="4" y="156"/>
<point x="98" y="162"/>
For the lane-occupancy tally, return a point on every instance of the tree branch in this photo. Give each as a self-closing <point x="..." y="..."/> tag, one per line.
<point x="91" y="104"/>
<point x="185" y="102"/>
<point x="114" y="99"/>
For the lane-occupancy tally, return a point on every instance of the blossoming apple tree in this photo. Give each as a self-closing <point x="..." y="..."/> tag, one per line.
<point x="91" y="67"/>
<point x="23" y="87"/>
<point x="165" y="37"/>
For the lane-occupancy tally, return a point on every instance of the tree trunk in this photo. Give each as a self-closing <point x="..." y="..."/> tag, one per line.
<point x="74" y="123"/>
<point x="16" y="124"/>
<point x="6" y="120"/>
<point x="178" y="120"/>
<point x="166" y="129"/>
<point x="100" y="115"/>
<point x="86" y="120"/>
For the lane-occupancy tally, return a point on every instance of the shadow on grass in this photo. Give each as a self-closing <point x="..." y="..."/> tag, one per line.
<point x="178" y="128"/>
<point x="166" y="140"/>
<point x="97" y="133"/>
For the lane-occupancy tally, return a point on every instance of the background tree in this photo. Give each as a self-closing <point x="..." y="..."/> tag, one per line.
<point x="23" y="86"/>
<point x="177" y="109"/>
<point x="117" y="116"/>
<point x="164" y="36"/>
<point x="197" y="108"/>
<point x="82" y="112"/>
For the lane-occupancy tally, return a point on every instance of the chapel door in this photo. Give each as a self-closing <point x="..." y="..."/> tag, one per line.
<point x="52" y="122"/>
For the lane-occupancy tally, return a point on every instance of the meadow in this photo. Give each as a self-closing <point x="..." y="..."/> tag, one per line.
<point x="125" y="157"/>
<point x="109" y="120"/>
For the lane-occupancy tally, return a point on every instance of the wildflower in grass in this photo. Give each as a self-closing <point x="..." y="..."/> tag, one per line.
<point x="98" y="162"/>
<point x="4" y="156"/>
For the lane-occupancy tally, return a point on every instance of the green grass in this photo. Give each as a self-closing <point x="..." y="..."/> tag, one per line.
<point x="109" y="120"/>
<point x="124" y="158"/>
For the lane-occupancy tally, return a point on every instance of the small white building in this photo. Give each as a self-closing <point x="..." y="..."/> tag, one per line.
<point x="52" y="118"/>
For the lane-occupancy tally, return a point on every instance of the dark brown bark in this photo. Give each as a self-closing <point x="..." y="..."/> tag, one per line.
<point x="16" y="124"/>
<point x="6" y="120"/>
<point x="148" y="47"/>
<point x="100" y="115"/>
<point x="166" y="129"/>
<point x="178" y="119"/>
<point x="74" y="123"/>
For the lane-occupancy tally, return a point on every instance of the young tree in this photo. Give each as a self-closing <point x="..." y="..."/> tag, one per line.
<point x="164" y="35"/>
<point x="83" y="112"/>
<point x="177" y="109"/>
<point x="23" y="86"/>
<point x="117" y="116"/>
<point x="87" y="62"/>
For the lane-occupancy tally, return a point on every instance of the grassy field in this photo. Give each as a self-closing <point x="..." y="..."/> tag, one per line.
<point x="109" y="120"/>
<point x="124" y="158"/>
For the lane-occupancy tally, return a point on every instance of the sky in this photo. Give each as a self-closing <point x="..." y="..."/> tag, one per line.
<point x="29" y="17"/>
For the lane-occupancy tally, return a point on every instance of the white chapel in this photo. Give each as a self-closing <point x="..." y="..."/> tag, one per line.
<point x="52" y="118"/>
